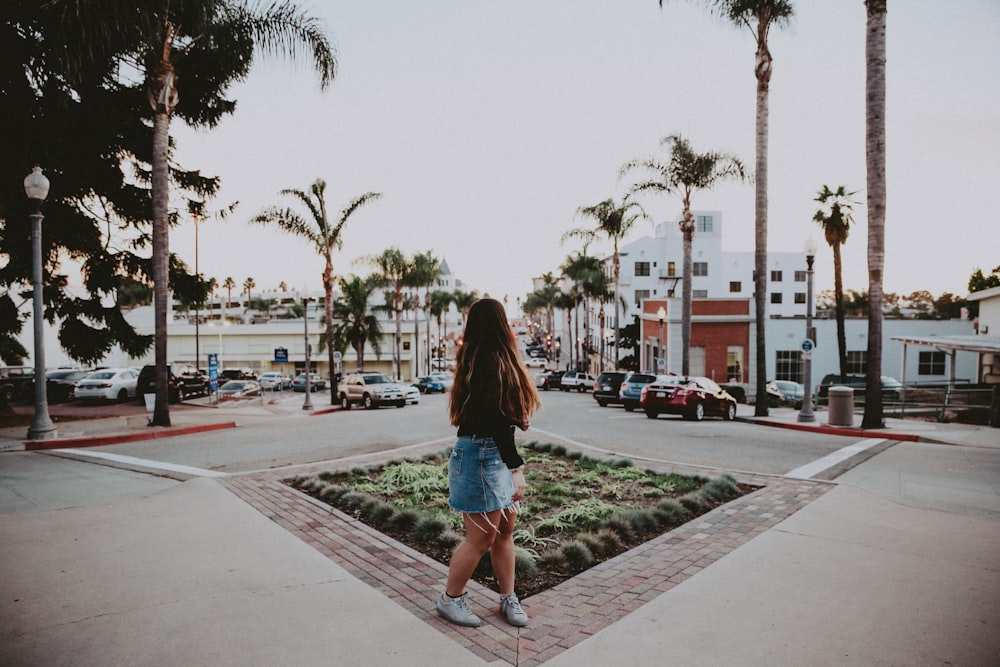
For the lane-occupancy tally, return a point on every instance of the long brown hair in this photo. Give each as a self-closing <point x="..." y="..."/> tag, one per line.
<point x="488" y="345"/>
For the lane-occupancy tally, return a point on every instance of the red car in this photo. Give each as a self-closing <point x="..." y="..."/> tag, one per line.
<point x="693" y="397"/>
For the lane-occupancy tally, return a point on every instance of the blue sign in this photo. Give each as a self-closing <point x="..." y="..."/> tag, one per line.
<point x="281" y="355"/>
<point x="807" y="346"/>
<point x="213" y="372"/>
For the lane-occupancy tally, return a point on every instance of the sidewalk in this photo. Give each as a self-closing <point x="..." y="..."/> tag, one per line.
<point x="241" y="570"/>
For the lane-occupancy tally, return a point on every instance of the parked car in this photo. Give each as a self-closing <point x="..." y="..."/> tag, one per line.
<point x="439" y="364"/>
<point x="107" y="384"/>
<point x="239" y="389"/>
<point x="607" y="388"/>
<point x="891" y="387"/>
<point x="536" y="362"/>
<point x="631" y="389"/>
<point x="576" y="380"/>
<point x="275" y="381"/>
<point x="237" y="374"/>
<point x="16" y="383"/>
<point x="316" y="383"/>
<point x="445" y="377"/>
<point x="549" y="380"/>
<point x="60" y="385"/>
<point x="371" y="390"/>
<point x="183" y="381"/>
<point x="786" y="392"/>
<point x="428" y="384"/>
<point x="693" y="397"/>
<point x="412" y="394"/>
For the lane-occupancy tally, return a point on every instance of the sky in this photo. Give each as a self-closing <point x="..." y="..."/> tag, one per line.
<point x="487" y="125"/>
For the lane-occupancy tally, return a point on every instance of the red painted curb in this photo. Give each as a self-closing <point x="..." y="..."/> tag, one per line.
<point x="97" y="440"/>
<point x="841" y="430"/>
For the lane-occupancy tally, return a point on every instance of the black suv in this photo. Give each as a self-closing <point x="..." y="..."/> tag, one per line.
<point x="608" y="386"/>
<point x="183" y="381"/>
<point x="16" y="383"/>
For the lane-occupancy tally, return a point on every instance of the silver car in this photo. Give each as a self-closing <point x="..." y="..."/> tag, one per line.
<point x="371" y="390"/>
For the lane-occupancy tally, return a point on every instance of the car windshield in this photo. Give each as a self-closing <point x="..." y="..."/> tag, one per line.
<point x="639" y="378"/>
<point x="101" y="375"/>
<point x="377" y="379"/>
<point x="234" y="385"/>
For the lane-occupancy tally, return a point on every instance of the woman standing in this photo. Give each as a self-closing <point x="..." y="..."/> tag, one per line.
<point x="492" y="394"/>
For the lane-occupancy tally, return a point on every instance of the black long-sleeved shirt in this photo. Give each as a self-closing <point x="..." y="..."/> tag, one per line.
<point x="483" y="417"/>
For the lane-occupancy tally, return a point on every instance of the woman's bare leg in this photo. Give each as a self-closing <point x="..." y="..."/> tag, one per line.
<point x="480" y="536"/>
<point x="502" y="553"/>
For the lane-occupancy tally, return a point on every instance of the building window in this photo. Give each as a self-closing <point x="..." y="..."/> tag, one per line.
<point x="800" y="297"/>
<point x="734" y="363"/>
<point x="777" y="297"/>
<point x="642" y="268"/>
<point x="800" y="276"/>
<point x="671" y="269"/>
<point x="788" y="365"/>
<point x="775" y="276"/>
<point x="700" y="269"/>
<point x="931" y="363"/>
<point x="735" y="287"/>
<point x="703" y="223"/>
<point x="641" y="294"/>
<point x="857" y="362"/>
<point x="699" y="294"/>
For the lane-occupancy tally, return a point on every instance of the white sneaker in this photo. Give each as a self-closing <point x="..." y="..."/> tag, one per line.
<point x="457" y="611"/>
<point x="510" y="609"/>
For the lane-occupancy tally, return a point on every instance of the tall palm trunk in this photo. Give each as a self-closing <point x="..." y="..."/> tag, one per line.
<point x="687" y="231"/>
<point x="328" y="311"/>
<point x="397" y="343"/>
<point x="161" y="255"/>
<point x="762" y="71"/>
<point x="617" y="306"/>
<point x="415" y="352"/>
<point x="875" y="167"/>
<point x="838" y="296"/>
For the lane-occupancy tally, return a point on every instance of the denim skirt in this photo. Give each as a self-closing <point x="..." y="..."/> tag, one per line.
<point x="478" y="479"/>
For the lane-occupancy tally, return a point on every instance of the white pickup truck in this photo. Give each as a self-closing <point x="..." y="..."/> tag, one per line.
<point x="576" y="380"/>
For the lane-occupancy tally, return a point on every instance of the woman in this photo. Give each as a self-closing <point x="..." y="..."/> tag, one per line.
<point x="492" y="394"/>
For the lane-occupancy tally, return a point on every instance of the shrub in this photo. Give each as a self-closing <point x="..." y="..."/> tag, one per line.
<point x="558" y="450"/>
<point x="669" y="512"/>
<point x="429" y="529"/>
<point x="352" y="500"/>
<point x="721" y="488"/>
<point x="378" y="513"/>
<point x="404" y="521"/>
<point x="524" y="563"/>
<point x="576" y="554"/>
<point x="694" y="502"/>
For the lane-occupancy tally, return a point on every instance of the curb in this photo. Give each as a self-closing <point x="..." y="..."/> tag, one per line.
<point x="97" y="440"/>
<point x="838" y="430"/>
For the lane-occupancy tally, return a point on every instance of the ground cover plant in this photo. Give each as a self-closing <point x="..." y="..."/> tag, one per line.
<point x="579" y="511"/>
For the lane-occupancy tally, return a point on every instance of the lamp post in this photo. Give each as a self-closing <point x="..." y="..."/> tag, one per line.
<point x="806" y="412"/>
<point x="661" y="315"/>
<point x="36" y="187"/>
<point x="307" y="403"/>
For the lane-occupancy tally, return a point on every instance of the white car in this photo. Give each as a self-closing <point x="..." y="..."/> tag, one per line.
<point x="275" y="381"/>
<point x="412" y="394"/>
<point x="536" y="362"/>
<point x="107" y="384"/>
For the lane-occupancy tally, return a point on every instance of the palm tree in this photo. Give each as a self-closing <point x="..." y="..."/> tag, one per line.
<point x="835" y="218"/>
<point x="875" y="167"/>
<point x="324" y="236"/>
<point x="219" y="37"/>
<point x="463" y="301"/>
<point x="758" y="16"/>
<point x="355" y="324"/>
<point x="614" y="221"/>
<point x="392" y="270"/>
<point x="228" y="284"/>
<point x="424" y="271"/>
<point x="441" y="301"/>
<point x="588" y="274"/>
<point x="248" y="285"/>
<point x="686" y="172"/>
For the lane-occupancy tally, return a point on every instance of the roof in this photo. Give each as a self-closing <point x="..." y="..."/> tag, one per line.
<point x="982" y="344"/>
<point x="983" y="294"/>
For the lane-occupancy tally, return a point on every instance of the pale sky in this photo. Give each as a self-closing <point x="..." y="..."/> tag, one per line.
<point x="486" y="125"/>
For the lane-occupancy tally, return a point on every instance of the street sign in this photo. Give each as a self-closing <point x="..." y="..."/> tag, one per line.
<point x="661" y="363"/>
<point x="281" y="355"/>
<point x="807" y="346"/>
<point x="336" y="356"/>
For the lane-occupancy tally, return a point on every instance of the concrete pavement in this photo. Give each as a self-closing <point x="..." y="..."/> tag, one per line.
<point x="894" y="564"/>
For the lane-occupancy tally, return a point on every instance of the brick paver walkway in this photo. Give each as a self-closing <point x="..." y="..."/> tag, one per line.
<point x="562" y="616"/>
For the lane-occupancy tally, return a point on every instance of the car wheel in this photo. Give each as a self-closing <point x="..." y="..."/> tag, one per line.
<point x="368" y="402"/>
<point x="7" y="393"/>
<point x="699" y="412"/>
<point x="401" y="404"/>
<point x="603" y="404"/>
<point x="580" y="389"/>
<point x="344" y="403"/>
<point x="629" y="408"/>
<point x="122" y="396"/>
<point x="652" y="414"/>
<point x="730" y="411"/>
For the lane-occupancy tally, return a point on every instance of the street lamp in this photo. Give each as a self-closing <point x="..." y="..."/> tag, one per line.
<point x="307" y="403"/>
<point x="661" y="314"/>
<point x="806" y="412"/>
<point x="36" y="187"/>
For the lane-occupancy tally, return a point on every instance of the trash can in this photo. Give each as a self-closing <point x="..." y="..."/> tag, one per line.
<point x="150" y="402"/>
<point x="840" y="410"/>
